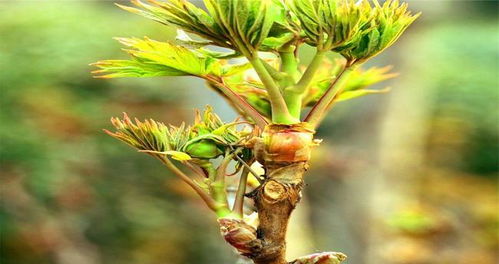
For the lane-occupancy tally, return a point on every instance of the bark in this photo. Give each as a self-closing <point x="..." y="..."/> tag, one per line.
<point x="284" y="152"/>
<point x="275" y="200"/>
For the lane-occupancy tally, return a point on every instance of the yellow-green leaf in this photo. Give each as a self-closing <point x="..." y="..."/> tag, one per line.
<point x="176" y="155"/>
<point x="155" y="58"/>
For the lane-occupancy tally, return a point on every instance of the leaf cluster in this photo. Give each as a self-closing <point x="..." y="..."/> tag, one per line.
<point x="235" y="24"/>
<point x="358" y="31"/>
<point x="184" y="15"/>
<point x="280" y="90"/>
<point x="379" y="30"/>
<point x="326" y="24"/>
<point x="207" y="138"/>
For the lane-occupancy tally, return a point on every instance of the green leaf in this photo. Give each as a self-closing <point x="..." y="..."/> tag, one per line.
<point x="176" y="155"/>
<point x="347" y="95"/>
<point x="132" y="68"/>
<point x="207" y="138"/>
<point x="355" y="87"/>
<point x="246" y="23"/>
<point x="184" y="15"/>
<point x="327" y="24"/>
<point x="378" y="31"/>
<point x="154" y="58"/>
<point x="229" y="69"/>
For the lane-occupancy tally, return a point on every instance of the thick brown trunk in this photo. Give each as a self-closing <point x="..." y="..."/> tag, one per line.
<point x="275" y="200"/>
<point x="284" y="152"/>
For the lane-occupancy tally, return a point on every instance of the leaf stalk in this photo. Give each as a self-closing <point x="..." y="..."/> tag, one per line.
<point x="318" y="111"/>
<point x="280" y="112"/>
<point x="210" y="202"/>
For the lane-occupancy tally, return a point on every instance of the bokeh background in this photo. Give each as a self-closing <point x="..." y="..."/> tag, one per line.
<point x="409" y="177"/>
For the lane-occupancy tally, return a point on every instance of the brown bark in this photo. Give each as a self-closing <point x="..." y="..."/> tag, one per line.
<point x="275" y="200"/>
<point x="284" y="152"/>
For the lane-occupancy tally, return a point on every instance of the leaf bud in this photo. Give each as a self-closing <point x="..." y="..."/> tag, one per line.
<point x="203" y="149"/>
<point x="240" y="235"/>
<point x="321" y="258"/>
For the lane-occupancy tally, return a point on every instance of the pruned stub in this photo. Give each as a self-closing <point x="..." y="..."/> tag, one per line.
<point x="286" y="144"/>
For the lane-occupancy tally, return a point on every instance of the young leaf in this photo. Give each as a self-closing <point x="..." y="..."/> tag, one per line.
<point x="176" y="155"/>
<point x="206" y="139"/>
<point x="347" y="95"/>
<point x="132" y="68"/>
<point x="251" y="89"/>
<point x="355" y="87"/>
<point x="184" y="15"/>
<point x="327" y="24"/>
<point x="187" y="41"/>
<point x="246" y="23"/>
<point x="379" y="31"/>
<point x="144" y="136"/>
<point x="155" y="58"/>
<point x="285" y="29"/>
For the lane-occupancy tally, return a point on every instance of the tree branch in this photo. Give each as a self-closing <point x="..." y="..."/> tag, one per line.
<point x="309" y="73"/>
<point x="289" y="63"/>
<point x="206" y="198"/>
<point x="293" y="95"/>
<point x="320" y="108"/>
<point x="241" y="190"/>
<point x="276" y="75"/>
<point x="238" y="101"/>
<point x="280" y="113"/>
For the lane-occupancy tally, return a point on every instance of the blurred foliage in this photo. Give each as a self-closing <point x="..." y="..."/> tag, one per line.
<point x="71" y="194"/>
<point x="465" y="109"/>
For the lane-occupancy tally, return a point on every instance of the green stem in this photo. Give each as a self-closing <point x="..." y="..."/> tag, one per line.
<point x="217" y="190"/>
<point x="280" y="113"/>
<point x="289" y="63"/>
<point x="318" y="111"/>
<point x="212" y="204"/>
<point x="294" y="102"/>
<point x="195" y="169"/>
<point x="309" y="73"/>
<point x="241" y="190"/>
<point x="250" y="169"/>
<point x="276" y="75"/>
<point x="293" y="95"/>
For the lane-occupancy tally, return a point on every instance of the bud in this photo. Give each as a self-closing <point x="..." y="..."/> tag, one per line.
<point x="203" y="149"/>
<point x="240" y="235"/>
<point x="321" y="258"/>
<point x="287" y="143"/>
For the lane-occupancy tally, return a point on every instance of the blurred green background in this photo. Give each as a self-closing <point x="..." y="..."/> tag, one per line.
<point x="407" y="177"/>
